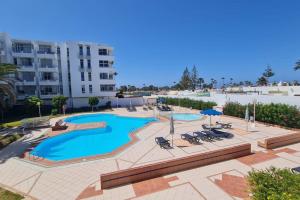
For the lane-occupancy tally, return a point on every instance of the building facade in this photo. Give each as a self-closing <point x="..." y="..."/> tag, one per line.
<point x="77" y="70"/>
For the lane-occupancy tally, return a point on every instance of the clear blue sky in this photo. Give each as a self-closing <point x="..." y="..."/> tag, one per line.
<point x="155" y="39"/>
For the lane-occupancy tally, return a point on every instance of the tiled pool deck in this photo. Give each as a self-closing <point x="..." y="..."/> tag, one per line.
<point x="224" y="180"/>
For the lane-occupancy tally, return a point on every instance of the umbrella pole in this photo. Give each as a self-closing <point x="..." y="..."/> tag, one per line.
<point x="210" y="122"/>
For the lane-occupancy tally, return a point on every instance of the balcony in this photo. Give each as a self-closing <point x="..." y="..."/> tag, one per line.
<point x="48" y="68"/>
<point x="46" y="54"/>
<point x="22" y="53"/>
<point x="26" y="68"/>
<point x="21" y="81"/>
<point x="107" y="57"/>
<point x="52" y="81"/>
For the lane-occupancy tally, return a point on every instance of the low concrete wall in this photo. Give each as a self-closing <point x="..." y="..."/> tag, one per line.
<point x="279" y="141"/>
<point x="121" y="102"/>
<point x="145" y="172"/>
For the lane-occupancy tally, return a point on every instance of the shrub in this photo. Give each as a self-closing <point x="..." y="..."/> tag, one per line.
<point x="6" y="140"/>
<point x="31" y="104"/>
<point x="93" y="101"/>
<point x="58" y="102"/>
<point x="189" y="103"/>
<point x="278" y="114"/>
<point x="54" y="111"/>
<point x="274" y="184"/>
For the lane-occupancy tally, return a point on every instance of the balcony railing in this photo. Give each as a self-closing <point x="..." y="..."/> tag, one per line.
<point x="45" y="52"/>
<point x="50" y="79"/>
<point x="22" y="51"/>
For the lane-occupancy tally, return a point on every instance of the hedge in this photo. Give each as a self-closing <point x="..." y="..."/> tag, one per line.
<point x="277" y="114"/>
<point x="274" y="184"/>
<point x="189" y="103"/>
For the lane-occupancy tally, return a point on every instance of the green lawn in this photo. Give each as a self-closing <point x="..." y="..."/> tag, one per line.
<point x="7" y="195"/>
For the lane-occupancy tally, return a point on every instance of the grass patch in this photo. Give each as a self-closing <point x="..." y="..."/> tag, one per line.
<point x="7" y="195"/>
<point x="11" y="124"/>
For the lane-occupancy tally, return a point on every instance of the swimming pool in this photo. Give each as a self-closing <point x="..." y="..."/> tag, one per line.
<point x="186" y="116"/>
<point x="90" y="142"/>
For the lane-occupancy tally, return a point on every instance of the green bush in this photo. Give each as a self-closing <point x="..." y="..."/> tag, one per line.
<point x="278" y="114"/>
<point x="58" y="102"/>
<point x="54" y="111"/>
<point x="189" y="103"/>
<point x="274" y="184"/>
<point x="6" y="140"/>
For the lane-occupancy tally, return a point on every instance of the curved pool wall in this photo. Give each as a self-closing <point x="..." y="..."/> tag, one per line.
<point x="90" y="142"/>
<point x="186" y="116"/>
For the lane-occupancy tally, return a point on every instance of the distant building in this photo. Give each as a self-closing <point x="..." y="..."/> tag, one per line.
<point x="76" y="70"/>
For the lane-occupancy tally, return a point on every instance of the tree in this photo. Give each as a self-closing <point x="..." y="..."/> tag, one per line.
<point x="93" y="101"/>
<point x="248" y="83"/>
<point x="58" y="102"/>
<point x="7" y="92"/>
<point x="268" y="73"/>
<point x="123" y="88"/>
<point x="185" y="81"/>
<point x="223" y="82"/>
<point x="262" y="81"/>
<point x="201" y="82"/>
<point x="194" y="78"/>
<point x="297" y="65"/>
<point x="32" y="103"/>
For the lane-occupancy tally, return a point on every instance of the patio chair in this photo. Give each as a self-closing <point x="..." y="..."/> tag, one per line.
<point x="166" y="108"/>
<point x="224" y="125"/>
<point x="163" y="143"/>
<point x="203" y="136"/>
<point x="59" y="125"/>
<point x="190" y="138"/>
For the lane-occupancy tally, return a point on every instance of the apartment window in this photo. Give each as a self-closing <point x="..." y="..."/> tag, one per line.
<point x="102" y="52"/>
<point x="47" y="76"/>
<point x="26" y="61"/>
<point x="88" y="51"/>
<point x="107" y="88"/>
<point x="45" y="62"/>
<point x="44" y="49"/>
<point x="83" y="89"/>
<point x="80" y="50"/>
<point x="90" y="76"/>
<point x="69" y="76"/>
<point x="46" y="90"/>
<point x="82" y="76"/>
<point x="22" y="47"/>
<point x="58" y="50"/>
<point x="68" y="52"/>
<point x="103" y="63"/>
<point x="90" y="89"/>
<point x="89" y="64"/>
<point x="81" y="64"/>
<point x="103" y="76"/>
<point x="15" y="61"/>
<point x="110" y="76"/>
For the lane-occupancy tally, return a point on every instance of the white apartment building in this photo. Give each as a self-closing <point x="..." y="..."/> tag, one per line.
<point x="77" y="70"/>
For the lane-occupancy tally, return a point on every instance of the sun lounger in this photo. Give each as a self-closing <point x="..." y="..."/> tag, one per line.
<point x="190" y="138"/>
<point x="207" y="127"/>
<point x="163" y="143"/>
<point x="222" y="133"/>
<point x="225" y="125"/>
<point x="213" y="135"/>
<point x="59" y="125"/>
<point x="203" y="136"/>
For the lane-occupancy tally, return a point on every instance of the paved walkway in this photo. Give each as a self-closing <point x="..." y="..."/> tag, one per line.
<point x="81" y="180"/>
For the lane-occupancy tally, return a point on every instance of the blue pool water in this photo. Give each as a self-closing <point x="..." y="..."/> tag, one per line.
<point x="90" y="142"/>
<point x="186" y="116"/>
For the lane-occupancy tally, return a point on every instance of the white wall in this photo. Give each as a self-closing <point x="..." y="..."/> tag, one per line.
<point x="221" y="99"/>
<point x="121" y="102"/>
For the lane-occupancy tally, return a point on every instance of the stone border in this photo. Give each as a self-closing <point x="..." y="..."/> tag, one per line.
<point x="141" y="173"/>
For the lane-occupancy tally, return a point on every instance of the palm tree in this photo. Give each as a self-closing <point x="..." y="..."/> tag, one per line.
<point x="223" y="78"/>
<point x="297" y="65"/>
<point x="7" y="92"/>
